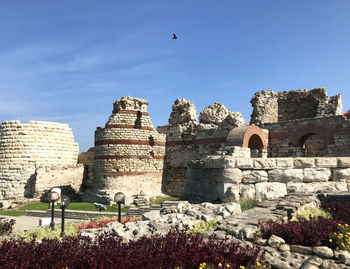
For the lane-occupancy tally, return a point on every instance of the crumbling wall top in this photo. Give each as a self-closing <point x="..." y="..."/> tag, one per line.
<point x="183" y="111"/>
<point x="130" y="103"/>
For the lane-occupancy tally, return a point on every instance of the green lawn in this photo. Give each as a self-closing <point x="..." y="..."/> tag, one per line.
<point x="161" y="199"/>
<point x="44" y="206"/>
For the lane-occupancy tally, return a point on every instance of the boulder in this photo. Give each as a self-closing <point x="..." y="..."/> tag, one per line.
<point x="183" y="111"/>
<point x="232" y="120"/>
<point x="323" y="252"/>
<point x="214" y="114"/>
<point x="152" y="215"/>
<point x="275" y="241"/>
<point x="233" y="208"/>
<point x="268" y="191"/>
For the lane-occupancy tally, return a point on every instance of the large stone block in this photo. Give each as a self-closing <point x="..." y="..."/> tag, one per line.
<point x="244" y="163"/>
<point x="317" y="174"/>
<point x="264" y="163"/>
<point x="344" y="162"/>
<point x="247" y="191"/>
<point x="228" y="192"/>
<point x="269" y="190"/>
<point x="303" y="162"/>
<point x="254" y="176"/>
<point x="315" y="187"/>
<point x="221" y="162"/>
<point x="284" y="163"/>
<point x="286" y="175"/>
<point x="341" y="174"/>
<point x="202" y="190"/>
<point x="326" y="162"/>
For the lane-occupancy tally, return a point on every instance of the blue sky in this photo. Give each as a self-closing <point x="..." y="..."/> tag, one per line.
<point x="68" y="61"/>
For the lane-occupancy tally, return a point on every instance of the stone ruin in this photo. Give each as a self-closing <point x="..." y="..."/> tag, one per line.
<point x="284" y="149"/>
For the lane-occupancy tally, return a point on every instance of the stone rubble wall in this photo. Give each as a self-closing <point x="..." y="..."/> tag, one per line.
<point x="286" y="138"/>
<point x="270" y="107"/>
<point x="128" y="152"/>
<point x="87" y="160"/>
<point x="24" y="147"/>
<point x="224" y="178"/>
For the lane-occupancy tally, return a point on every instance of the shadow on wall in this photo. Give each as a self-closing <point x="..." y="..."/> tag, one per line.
<point x="66" y="190"/>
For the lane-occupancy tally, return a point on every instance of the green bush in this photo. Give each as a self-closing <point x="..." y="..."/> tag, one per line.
<point x="248" y="203"/>
<point x="203" y="226"/>
<point x="314" y="213"/>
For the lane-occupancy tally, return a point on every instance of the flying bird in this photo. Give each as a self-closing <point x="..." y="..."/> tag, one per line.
<point x="174" y="36"/>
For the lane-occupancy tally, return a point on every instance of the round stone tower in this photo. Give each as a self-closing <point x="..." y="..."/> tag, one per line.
<point x="129" y="152"/>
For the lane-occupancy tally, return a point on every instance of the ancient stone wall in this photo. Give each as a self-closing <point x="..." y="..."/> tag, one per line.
<point x="189" y="140"/>
<point x="87" y="160"/>
<point x="270" y="107"/>
<point x="327" y="136"/>
<point x="24" y="147"/>
<point x="224" y="178"/>
<point x="128" y="152"/>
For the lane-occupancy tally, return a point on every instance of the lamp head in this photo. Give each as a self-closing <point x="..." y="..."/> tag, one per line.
<point x="64" y="201"/>
<point x="119" y="197"/>
<point x="54" y="194"/>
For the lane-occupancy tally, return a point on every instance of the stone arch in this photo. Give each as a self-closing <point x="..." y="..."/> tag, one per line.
<point x="251" y="137"/>
<point x="313" y="145"/>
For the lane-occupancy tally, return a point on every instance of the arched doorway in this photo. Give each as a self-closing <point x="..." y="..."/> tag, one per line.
<point x="256" y="146"/>
<point x="313" y="145"/>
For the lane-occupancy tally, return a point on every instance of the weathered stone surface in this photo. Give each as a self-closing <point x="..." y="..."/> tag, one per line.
<point x="286" y="175"/>
<point x="152" y="215"/>
<point x="228" y="192"/>
<point x="275" y="241"/>
<point x="244" y="163"/>
<point x="219" y="162"/>
<point x="323" y="252"/>
<point x="233" y="175"/>
<point x="233" y="208"/>
<point x="303" y="162"/>
<point x="344" y="162"/>
<point x="247" y="191"/>
<point x="264" y="163"/>
<point x="254" y="176"/>
<point x="341" y="174"/>
<point x="343" y="256"/>
<point x="315" y="187"/>
<point x="267" y="191"/>
<point x="183" y="111"/>
<point x="317" y="174"/>
<point x="284" y="247"/>
<point x="232" y="120"/>
<point x="214" y="114"/>
<point x="326" y="162"/>
<point x="301" y="249"/>
<point x="284" y="163"/>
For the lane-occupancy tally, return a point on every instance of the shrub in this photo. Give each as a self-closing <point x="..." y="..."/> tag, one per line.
<point x="247" y="204"/>
<point x="202" y="226"/>
<point x="341" y="239"/>
<point x="314" y="213"/>
<point x="339" y="210"/>
<point x="175" y="249"/>
<point x="103" y="222"/>
<point x="307" y="233"/>
<point x="6" y="226"/>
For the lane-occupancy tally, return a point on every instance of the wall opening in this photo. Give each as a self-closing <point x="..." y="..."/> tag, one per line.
<point x="256" y="146"/>
<point x="138" y="120"/>
<point x="312" y="145"/>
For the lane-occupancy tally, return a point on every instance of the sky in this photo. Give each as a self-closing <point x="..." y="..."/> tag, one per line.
<point x="68" y="61"/>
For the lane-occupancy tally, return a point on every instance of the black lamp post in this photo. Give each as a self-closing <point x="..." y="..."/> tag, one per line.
<point x="119" y="198"/>
<point x="64" y="204"/>
<point x="54" y="195"/>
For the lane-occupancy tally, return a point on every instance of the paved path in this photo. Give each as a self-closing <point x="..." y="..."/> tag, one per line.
<point x="28" y="223"/>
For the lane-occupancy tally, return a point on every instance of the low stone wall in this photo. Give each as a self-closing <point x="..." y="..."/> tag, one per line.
<point x="229" y="179"/>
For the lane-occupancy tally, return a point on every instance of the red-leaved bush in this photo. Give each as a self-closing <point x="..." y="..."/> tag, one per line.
<point x="339" y="210"/>
<point x="175" y="249"/>
<point x="103" y="223"/>
<point x="6" y="226"/>
<point x="314" y="232"/>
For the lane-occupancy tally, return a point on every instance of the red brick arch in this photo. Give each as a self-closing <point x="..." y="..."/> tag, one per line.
<point x="247" y="136"/>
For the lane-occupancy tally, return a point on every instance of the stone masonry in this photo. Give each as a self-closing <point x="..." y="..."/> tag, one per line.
<point x="226" y="178"/>
<point x="24" y="148"/>
<point x="128" y="152"/>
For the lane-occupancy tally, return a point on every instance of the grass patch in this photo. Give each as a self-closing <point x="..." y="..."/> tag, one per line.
<point x="247" y="204"/>
<point x="160" y="199"/>
<point x="12" y="213"/>
<point x="314" y="213"/>
<point x="45" y="206"/>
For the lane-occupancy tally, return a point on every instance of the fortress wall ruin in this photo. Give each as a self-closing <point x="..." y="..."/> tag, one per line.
<point x="331" y="137"/>
<point x="271" y="107"/>
<point x="188" y="140"/>
<point x="24" y="147"/>
<point x="226" y="178"/>
<point x="128" y="152"/>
